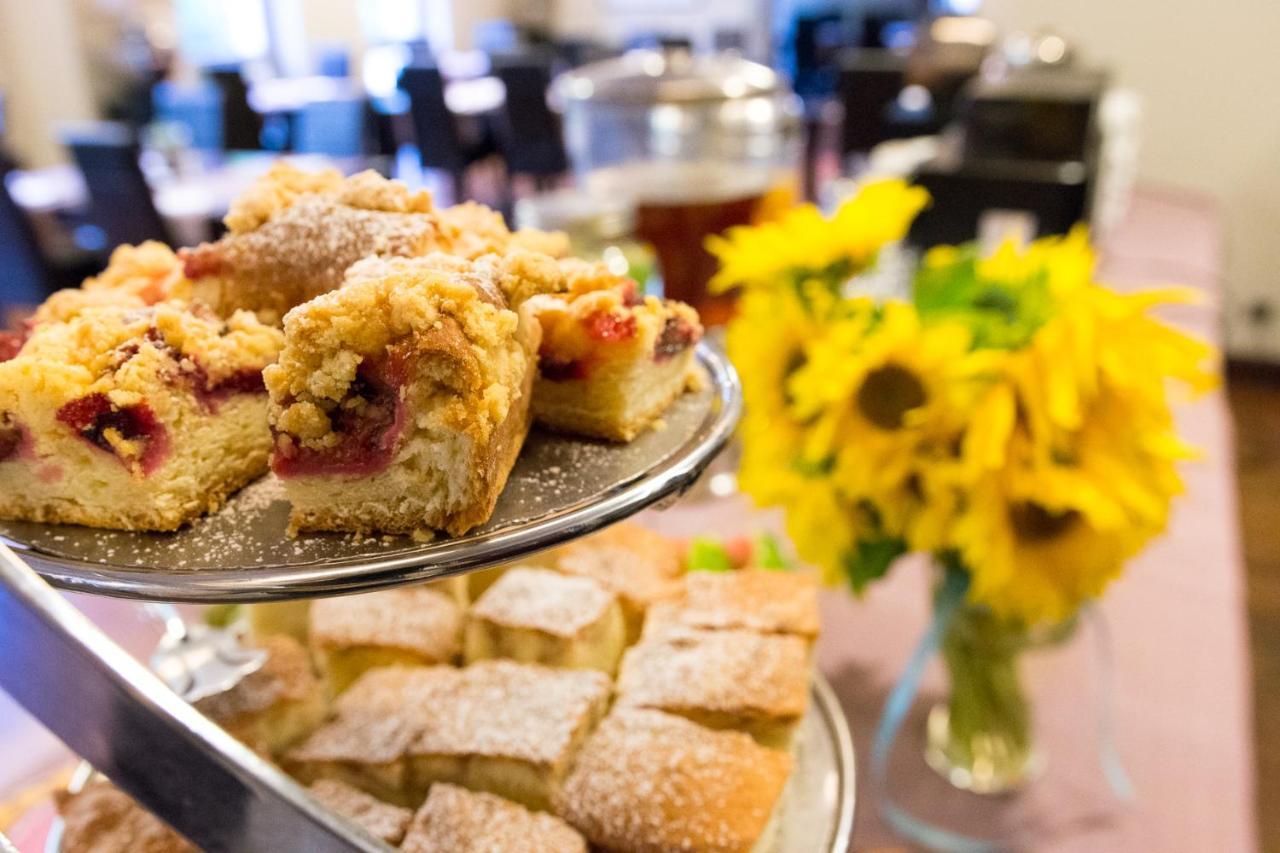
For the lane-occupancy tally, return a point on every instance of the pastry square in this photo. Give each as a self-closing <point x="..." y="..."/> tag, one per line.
<point x="133" y="418"/>
<point x="649" y="781"/>
<point x="611" y="361"/>
<point x="276" y="706"/>
<point x="103" y="819"/>
<point x="642" y="567"/>
<point x="455" y="820"/>
<point x="383" y="821"/>
<point x="511" y="729"/>
<point x="540" y="616"/>
<point x="408" y="625"/>
<point x="761" y="600"/>
<point x="730" y="679"/>
<point x="364" y="750"/>
<point x="400" y="402"/>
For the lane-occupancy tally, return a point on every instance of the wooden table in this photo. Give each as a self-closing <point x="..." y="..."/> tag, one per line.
<point x="1177" y="618"/>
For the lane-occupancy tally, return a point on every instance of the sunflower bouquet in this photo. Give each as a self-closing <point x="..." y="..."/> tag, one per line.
<point x="1010" y="415"/>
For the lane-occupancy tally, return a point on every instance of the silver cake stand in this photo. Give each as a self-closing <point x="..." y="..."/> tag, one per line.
<point x="111" y="710"/>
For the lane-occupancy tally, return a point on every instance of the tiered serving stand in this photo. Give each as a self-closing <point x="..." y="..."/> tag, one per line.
<point x="111" y="710"/>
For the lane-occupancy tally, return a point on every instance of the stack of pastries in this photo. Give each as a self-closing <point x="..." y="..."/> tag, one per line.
<point x="382" y="356"/>
<point x="522" y="717"/>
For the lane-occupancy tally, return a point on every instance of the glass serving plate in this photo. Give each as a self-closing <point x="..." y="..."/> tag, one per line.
<point x="817" y="816"/>
<point x="560" y="488"/>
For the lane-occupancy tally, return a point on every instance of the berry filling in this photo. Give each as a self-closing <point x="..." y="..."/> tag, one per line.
<point x="676" y="337"/>
<point x="606" y="326"/>
<point x="212" y="395"/>
<point x="368" y="423"/>
<point x="10" y="344"/>
<point x="114" y="429"/>
<point x="14" y="440"/>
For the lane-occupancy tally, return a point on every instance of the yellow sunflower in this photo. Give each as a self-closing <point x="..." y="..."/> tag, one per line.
<point x="803" y="240"/>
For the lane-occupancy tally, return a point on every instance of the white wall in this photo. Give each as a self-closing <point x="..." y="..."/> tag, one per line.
<point x="44" y="74"/>
<point x="1208" y="74"/>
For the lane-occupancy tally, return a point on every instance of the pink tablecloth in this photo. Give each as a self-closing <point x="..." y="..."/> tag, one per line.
<point x="1182" y="700"/>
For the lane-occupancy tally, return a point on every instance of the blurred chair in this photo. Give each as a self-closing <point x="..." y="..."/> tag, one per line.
<point x="120" y="200"/>
<point x="442" y="143"/>
<point x="333" y="60"/>
<point x="867" y="85"/>
<point x="335" y="128"/>
<point x="529" y="132"/>
<point x="26" y="280"/>
<point x="1054" y="195"/>
<point x="498" y="35"/>
<point x="816" y="41"/>
<point x="196" y="107"/>
<point x="241" y="124"/>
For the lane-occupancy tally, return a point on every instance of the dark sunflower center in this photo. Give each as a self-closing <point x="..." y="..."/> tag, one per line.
<point x="1033" y="523"/>
<point x="887" y="394"/>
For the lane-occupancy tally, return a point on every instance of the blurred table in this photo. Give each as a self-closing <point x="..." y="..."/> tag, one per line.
<point x="1177" y="619"/>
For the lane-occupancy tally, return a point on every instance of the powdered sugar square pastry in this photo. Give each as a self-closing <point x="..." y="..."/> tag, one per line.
<point x="103" y="819"/>
<point x="133" y="418"/>
<point x="376" y="723"/>
<point x="400" y="402"/>
<point x="611" y="361"/>
<point x="276" y="706"/>
<point x="409" y="625"/>
<point x="650" y="782"/>
<point x="455" y="820"/>
<point x="760" y="600"/>
<point x="540" y="616"/>
<point x="642" y="567"/>
<point x="511" y="729"/>
<point x="383" y="821"/>
<point x="731" y="679"/>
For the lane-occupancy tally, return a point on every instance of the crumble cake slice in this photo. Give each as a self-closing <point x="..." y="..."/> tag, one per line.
<point x="611" y="360"/>
<point x="135" y="276"/>
<point x="101" y="818"/>
<point x="510" y="729"/>
<point x="762" y="600"/>
<point x="642" y="567"/>
<point x="730" y="679"/>
<point x="409" y="625"/>
<point x="383" y="821"/>
<point x="275" y="706"/>
<point x="293" y="233"/>
<point x="455" y="820"/>
<point x="400" y="402"/>
<point x="652" y="782"/>
<point x="134" y="418"/>
<point x="540" y="616"/>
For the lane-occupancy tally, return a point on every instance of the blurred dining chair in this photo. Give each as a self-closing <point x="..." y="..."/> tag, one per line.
<point x="529" y="134"/>
<point x="336" y="128"/>
<point x="241" y="124"/>
<point x="197" y="107"/>
<point x="442" y="143"/>
<point x="26" y="279"/>
<point x="120" y="200"/>
<point x="867" y="85"/>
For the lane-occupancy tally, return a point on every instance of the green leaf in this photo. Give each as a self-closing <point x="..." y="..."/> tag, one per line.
<point x="870" y="559"/>
<point x="1001" y="315"/>
<point x="768" y="555"/>
<point x="708" y="555"/>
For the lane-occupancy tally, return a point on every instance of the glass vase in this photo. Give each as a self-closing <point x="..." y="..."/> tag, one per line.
<point x="980" y="738"/>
